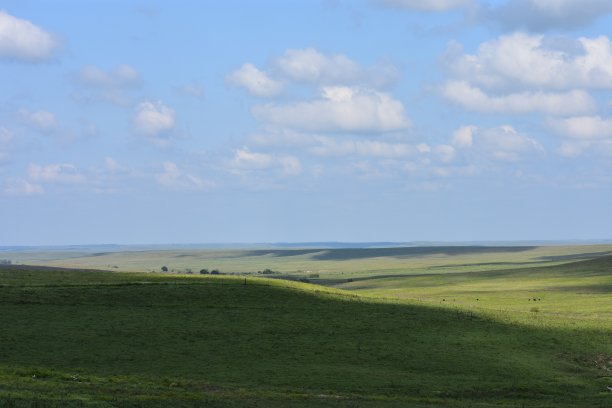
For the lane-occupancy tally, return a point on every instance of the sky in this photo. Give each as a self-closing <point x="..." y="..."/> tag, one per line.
<point x="134" y="122"/>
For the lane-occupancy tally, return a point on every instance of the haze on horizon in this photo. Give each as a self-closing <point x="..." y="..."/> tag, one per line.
<point x="305" y="121"/>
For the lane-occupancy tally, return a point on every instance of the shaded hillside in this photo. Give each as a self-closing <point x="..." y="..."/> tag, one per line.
<point x="105" y="339"/>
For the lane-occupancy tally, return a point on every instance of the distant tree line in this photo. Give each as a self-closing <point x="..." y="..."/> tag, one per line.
<point x="203" y="271"/>
<point x="6" y="262"/>
<point x="207" y="272"/>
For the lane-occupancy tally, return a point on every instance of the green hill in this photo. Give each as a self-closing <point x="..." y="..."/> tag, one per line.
<point x="102" y="339"/>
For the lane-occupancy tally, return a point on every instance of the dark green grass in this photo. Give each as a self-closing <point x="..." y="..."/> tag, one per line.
<point x="104" y="339"/>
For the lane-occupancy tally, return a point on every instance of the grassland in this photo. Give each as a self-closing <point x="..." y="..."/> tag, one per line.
<point x="327" y="263"/>
<point x="429" y="328"/>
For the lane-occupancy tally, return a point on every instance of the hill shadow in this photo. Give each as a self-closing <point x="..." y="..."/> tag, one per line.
<point x="345" y="254"/>
<point x="259" y="336"/>
<point x="408" y="252"/>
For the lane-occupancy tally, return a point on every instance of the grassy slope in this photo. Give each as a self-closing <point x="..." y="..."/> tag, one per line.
<point x="576" y="293"/>
<point x="90" y="338"/>
<point x="328" y="263"/>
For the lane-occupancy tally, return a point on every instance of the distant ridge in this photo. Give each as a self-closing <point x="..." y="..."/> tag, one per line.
<point x="294" y="245"/>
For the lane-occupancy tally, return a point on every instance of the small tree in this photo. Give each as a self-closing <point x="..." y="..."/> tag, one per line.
<point x="214" y="272"/>
<point x="204" y="271"/>
<point x="164" y="269"/>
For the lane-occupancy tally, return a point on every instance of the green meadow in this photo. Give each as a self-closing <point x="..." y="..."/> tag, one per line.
<point x="380" y="327"/>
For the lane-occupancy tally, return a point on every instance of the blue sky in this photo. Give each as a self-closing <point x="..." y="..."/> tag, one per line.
<point x="268" y="121"/>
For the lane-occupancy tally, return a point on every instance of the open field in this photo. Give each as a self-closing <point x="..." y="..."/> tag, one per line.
<point x="328" y="263"/>
<point x="448" y="327"/>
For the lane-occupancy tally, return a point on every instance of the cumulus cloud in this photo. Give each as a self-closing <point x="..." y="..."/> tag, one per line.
<point x="340" y="109"/>
<point x="245" y="160"/>
<point x="5" y="135"/>
<point x="327" y="146"/>
<point x="42" y="120"/>
<point x="553" y="103"/>
<point x="55" y="173"/>
<point x="542" y="15"/>
<point x="113" y="165"/>
<point x="121" y="76"/>
<point x="464" y="136"/>
<point x="503" y="143"/>
<point x="193" y="89"/>
<point x="446" y="153"/>
<point x="584" y="133"/>
<point x="154" y="120"/>
<point x="19" y="187"/>
<point x="584" y="127"/>
<point x="107" y="85"/>
<point x="23" y="41"/>
<point x="521" y="59"/>
<point x="174" y="177"/>
<point x="256" y="82"/>
<point x="506" y="143"/>
<point x="312" y="66"/>
<point x="427" y="5"/>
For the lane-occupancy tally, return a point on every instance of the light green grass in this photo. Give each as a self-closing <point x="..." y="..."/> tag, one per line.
<point x="79" y="339"/>
<point x="577" y="293"/>
<point x="426" y="327"/>
<point x="327" y="263"/>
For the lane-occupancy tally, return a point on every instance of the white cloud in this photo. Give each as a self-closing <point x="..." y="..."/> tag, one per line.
<point x="573" y="149"/>
<point x="583" y="134"/>
<point x="42" y="120"/>
<point x="340" y="109"/>
<point x="311" y="66"/>
<point x="121" y="76"/>
<point x="107" y="85"/>
<point x="21" y="40"/>
<point x="5" y="135"/>
<point x="193" y="89"/>
<point x="55" y="173"/>
<point x="503" y="143"/>
<point x="154" y="120"/>
<point x="173" y="177"/>
<point x="446" y="153"/>
<point x="18" y="187"/>
<point x="327" y="146"/>
<point x="427" y="5"/>
<point x="321" y="145"/>
<point x="553" y="103"/>
<point x="245" y="160"/>
<point x="257" y="82"/>
<point x="538" y="15"/>
<point x="423" y="148"/>
<point x="113" y="165"/>
<point x="507" y="144"/>
<point x="521" y="59"/>
<point x="584" y="127"/>
<point x="464" y="136"/>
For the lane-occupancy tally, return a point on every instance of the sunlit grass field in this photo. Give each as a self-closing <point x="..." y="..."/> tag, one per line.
<point x="441" y="331"/>
<point x="328" y="263"/>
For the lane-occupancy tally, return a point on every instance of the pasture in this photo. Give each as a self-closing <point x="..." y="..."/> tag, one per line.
<point x="389" y="328"/>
